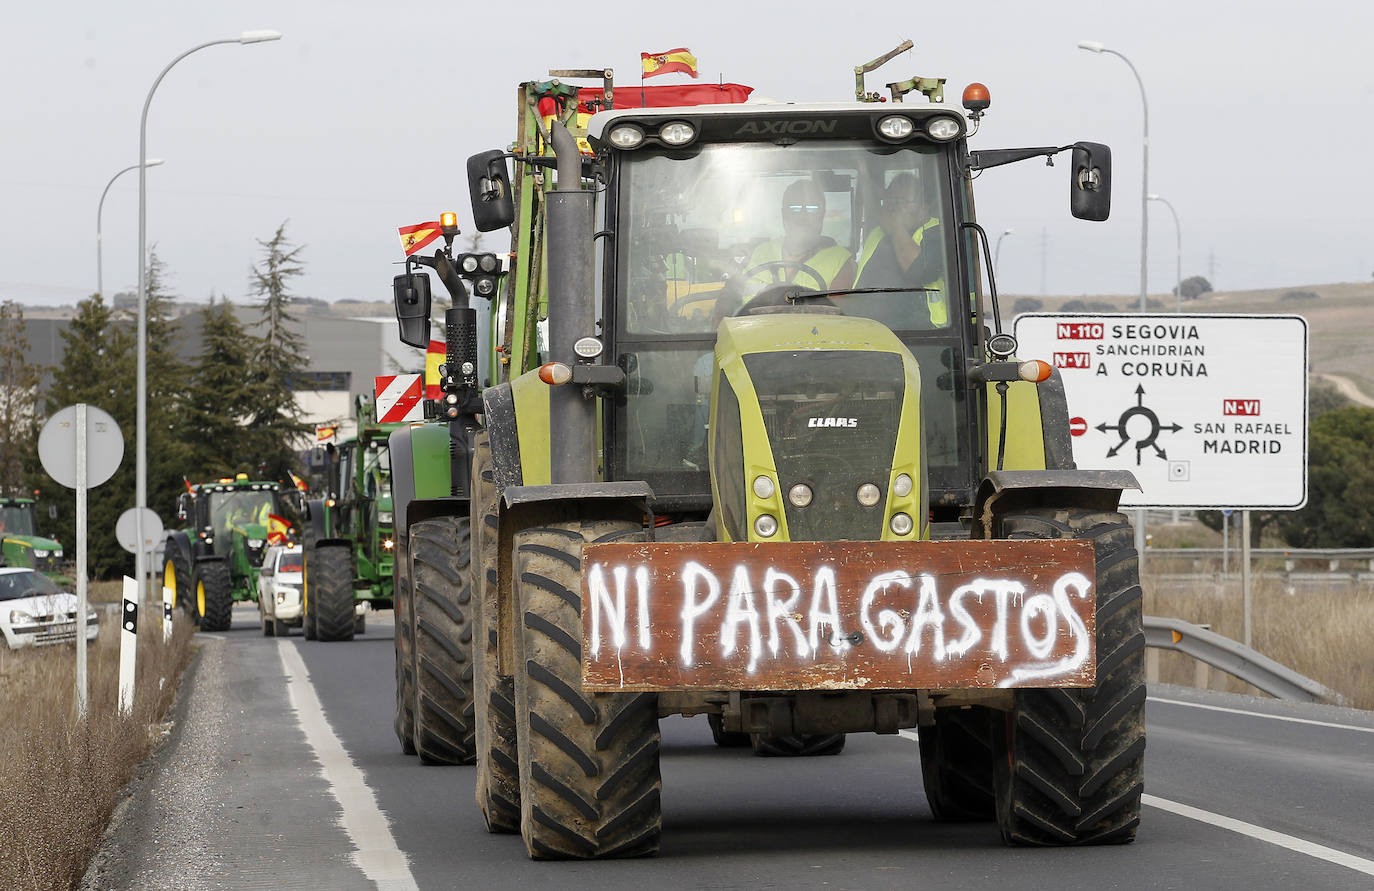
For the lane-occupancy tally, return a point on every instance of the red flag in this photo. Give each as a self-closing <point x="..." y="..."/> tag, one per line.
<point x="679" y="59"/>
<point x="434" y="357"/>
<point x="668" y="95"/>
<point x="414" y="238"/>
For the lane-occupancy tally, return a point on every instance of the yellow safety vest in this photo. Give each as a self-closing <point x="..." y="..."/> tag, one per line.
<point x="935" y="299"/>
<point x="828" y="261"/>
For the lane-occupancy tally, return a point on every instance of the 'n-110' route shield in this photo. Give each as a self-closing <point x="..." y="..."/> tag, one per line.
<point x="838" y="615"/>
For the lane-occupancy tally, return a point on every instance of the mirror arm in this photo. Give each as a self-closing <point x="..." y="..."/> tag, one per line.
<point x="982" y="160"/>
<point x="992" y="278"/>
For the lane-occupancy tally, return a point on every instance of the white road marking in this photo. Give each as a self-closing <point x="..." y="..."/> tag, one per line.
<point x="376" y="854"/>
<point x="1237" y="711"/>
<point x="909" y="734"/>
<point x="1292" y="843"/>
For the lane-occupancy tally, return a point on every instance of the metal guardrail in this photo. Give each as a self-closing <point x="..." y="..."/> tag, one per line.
<point x="1288" y="555"/>
<point x="1236" y="659"/>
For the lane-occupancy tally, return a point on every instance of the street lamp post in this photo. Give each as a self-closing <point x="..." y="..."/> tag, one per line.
<point x="1093" y="46"/>
<point x="1178" y="253"/>
<point x="997" y="251"/>
<point x="141" y="422"/>
<point x="100" y="209"/>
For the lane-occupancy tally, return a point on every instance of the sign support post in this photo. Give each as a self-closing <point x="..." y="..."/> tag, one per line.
<point x="1245" y="570"/>
<point x="81" y="599"/>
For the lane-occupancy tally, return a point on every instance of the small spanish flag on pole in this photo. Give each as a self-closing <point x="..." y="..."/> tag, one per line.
<point x="414" y="238"/>
<point x="680" y="59"/>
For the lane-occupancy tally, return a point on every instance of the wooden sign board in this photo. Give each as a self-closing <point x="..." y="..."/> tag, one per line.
<point x="838" y="615"/>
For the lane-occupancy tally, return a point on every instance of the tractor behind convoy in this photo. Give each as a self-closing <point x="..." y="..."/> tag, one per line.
<point x="777" y="465"/>
<point x="21" y="545"/>
<point x="215" y="559"/>
<point x="349" y="540"/>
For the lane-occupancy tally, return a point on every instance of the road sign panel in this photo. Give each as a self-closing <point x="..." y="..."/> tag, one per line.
<point x="1206" y="410"/>
<point x="126" y="529"/>
<point x="57" y="446"/>
<point x="399" y="398"/>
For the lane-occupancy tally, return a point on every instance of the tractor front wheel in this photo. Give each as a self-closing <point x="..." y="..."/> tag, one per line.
<point x="331" y="592"/>
<point x="214" y="597"/>
<point x="443" y="641"/>
<point x="404" y="644"/>
<point x="176" y="575"/>
<point x="1070" y="763"/>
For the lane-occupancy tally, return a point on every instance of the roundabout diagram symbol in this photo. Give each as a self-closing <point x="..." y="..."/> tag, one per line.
<point x="1139" y="410"/>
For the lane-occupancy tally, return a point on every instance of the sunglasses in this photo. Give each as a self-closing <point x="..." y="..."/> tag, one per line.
<point x="802" y="208"/>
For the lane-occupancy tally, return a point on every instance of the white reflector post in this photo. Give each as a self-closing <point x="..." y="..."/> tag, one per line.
<point x="168" y="595"/>
<point x="128" y="645"/>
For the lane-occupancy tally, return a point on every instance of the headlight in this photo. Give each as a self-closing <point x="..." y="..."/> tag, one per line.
<point x="763" y="487"/>
<point x="677" y="133"/>
<point x="626" y="136"/>
<point x="901" y="486"/>
<point x="766" y="526"/>
<point x="38" y="552"/>
<point x="800" y="495"/>
<point x="487" y="262"/>
<point x="19" y="617"/>
<point x="255" y="542"/>
<point x="469" y="263"/>
<point x="942" y="128"/>
<point x="869" y="494"/>
<point x="901" y="524"/>
<point x="384" y="516"/>
<point x="387" y="544"/>
<point x="57" y="553"/>
<point x="896" y="126"/>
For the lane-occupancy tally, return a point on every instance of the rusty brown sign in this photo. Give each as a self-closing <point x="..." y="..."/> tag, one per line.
<point x="838" y="615"/>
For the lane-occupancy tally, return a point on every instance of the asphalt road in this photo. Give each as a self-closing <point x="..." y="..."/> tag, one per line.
<point x="283" y="771"/>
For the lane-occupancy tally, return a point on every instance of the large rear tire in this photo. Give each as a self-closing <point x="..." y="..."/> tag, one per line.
<point x="1070" y="762"/>
<point x="405" y="649"/>
<point x="331" y="592"/>
<point x="589" y="777"/>
<point x="176" y="574"/>
<point x="498" y="767"/>
<point x="956" y="764"/>
<point x="443" y="641"/>
<point x="212" y="589"/>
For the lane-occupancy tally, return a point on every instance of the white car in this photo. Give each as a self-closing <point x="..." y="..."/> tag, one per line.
<point x="35" y="612"/>
<point x="279" y="589"/>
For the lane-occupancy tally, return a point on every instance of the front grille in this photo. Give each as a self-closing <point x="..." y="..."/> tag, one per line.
<point x="50" y="563"/>
<point x="832" y="419"/>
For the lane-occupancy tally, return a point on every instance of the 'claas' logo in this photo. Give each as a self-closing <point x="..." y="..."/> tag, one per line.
<point x="1240" y="407"/>
<point x="1072" y="360"/>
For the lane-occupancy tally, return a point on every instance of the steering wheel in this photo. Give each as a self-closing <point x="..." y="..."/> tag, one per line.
<point x="688" y="299"/>
<point x="775" y="268"/>
<point x="773" y="293"/>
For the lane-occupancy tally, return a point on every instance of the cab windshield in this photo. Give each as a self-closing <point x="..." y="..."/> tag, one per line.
<point x="240" y="509"/>
<point x="377" y="470"/>
<point x="16" y="519"/>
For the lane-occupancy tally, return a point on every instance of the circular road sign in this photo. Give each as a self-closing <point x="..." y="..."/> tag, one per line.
<point x="57" y="446"/>
<point x="1078" y="426"/>
<point x="126" y="534"/>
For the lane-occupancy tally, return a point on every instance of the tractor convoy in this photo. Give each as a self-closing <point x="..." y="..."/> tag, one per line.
<point x="21" y="545"/>
<point x="753" y="446"/>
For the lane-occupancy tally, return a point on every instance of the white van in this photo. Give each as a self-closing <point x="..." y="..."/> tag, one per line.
<point x="279" y="589"/>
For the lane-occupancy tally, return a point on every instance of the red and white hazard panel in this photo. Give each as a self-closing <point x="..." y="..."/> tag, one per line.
<point x="400" y="398"/>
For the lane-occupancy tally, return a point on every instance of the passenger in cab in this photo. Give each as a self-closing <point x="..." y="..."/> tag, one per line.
<point x="904" y="250"/>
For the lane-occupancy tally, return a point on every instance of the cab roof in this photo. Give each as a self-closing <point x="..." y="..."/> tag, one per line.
<point x="602" y="121"/>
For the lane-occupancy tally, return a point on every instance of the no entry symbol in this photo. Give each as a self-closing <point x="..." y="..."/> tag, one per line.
<point x="1078" y="426"/>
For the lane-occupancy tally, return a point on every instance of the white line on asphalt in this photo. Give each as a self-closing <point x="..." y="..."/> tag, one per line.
<point x="1237" y="711"/>
<point x="1292" y="843"/>
<point x="909" y="734"/>
<point x="376" y="853"/>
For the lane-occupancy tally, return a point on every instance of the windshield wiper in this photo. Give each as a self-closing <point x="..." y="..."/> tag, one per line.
<point x="806" y="293"/>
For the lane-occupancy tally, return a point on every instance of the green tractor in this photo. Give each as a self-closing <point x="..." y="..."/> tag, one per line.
<point x="349" y="541"/>
<point x="777" y="465"/>
<point x="23" y="546"/>
<point x="214" y="561"/>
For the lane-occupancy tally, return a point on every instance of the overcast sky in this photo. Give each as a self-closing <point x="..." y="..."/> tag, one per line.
<point x="360" y="118"/>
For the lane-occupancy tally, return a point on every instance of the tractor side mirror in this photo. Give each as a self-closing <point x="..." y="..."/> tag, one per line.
<point x="410" y="292"/>
<point x="182" y="500"/>
<point x="1090" y="181"/>
<point x="52" y="512"/>
<point x="493" y="206"/>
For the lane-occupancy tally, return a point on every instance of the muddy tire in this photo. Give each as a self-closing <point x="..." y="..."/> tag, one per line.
<point x="589" y="776"/>
<point x="498" y="767"/>
<point x="331" y="592"/>
<point x="1069" y="765"/>
<point x="725" y="738"/>
<point x="439" y="553"/>
<point x="176" y="574"/>
<point x="404" y="642"/>
<point x="212" y="589"/>
<point x="956" y="764"/>
<point x="794" y="746"/>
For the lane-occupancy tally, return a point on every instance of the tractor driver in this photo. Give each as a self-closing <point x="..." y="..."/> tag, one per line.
<point x="903" y="250"/>
<point x="803" y="245"/>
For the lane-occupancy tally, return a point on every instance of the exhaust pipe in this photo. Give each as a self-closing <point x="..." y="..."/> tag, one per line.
<point x="572" y="311"/>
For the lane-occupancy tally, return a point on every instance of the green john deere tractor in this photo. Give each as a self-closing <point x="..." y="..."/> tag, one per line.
<point x="349" y="540"/>
<point x="214" y="561"/>
<point x="777" y="465"/>
<point x="23" y="546"/>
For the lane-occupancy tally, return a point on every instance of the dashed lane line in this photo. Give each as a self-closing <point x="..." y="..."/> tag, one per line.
<point x="375" y="850"/>
<point x="1237" y="711"/>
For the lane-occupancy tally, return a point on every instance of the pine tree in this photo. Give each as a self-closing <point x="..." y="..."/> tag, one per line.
<point x="167" y="375"/>
<point x="218" y="407"/>
<point x="18" y="400"/>
<point x="278" y="420"/>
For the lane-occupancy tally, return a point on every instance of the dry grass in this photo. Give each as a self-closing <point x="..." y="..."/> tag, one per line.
<point x="1324" y="633"/>
<point x="61" y="778"/>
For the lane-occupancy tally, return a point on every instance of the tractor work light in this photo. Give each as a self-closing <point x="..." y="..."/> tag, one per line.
<point x="487" y="262"/>
<point x="626" y="136"/>
<point x="468" y="263"/>
<point x="1034" y="371"/>
<point x="763" y="487"/>
<point x="896" y="127"/>
<point x="484" y="286"/>
<point x="869" y="494"/>
<point x="901" y="524"/>
<point x="588" y="347"/>
<point x="943" y="128"/>
<point x="555" y="373"/>
<point x="902" y="485"/>
<point x="766" y="525"/>
<point x="677" y="133"/>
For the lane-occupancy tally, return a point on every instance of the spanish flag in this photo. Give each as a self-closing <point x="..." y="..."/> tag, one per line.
<point x="414" y="238"/>
<point x="434" y="357"/>
<point x="680" y="59"/>
<point x="277" y="529"/>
